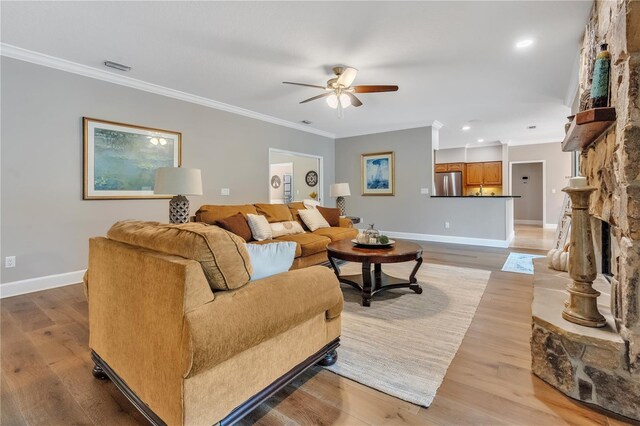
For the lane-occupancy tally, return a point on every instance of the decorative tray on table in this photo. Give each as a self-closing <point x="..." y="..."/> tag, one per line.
<point x="377" y="245"/>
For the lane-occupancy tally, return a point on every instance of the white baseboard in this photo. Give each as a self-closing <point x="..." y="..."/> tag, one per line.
<point x="16" y="288"/>
<point x="550" y="226"/>
<point x="450" y="239"/>
<point x="527" y="222"/>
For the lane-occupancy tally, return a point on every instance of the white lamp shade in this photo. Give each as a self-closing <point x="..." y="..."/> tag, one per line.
<point x="178" y="181"/>
<point x="339" y="190"/>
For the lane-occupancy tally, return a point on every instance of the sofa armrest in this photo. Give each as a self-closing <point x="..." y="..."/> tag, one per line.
<point x="345" y="222"/>
<point x="240" y="319"/>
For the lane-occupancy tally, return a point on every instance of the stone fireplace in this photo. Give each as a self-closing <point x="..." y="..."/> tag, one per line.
<point x="602" y="366"/>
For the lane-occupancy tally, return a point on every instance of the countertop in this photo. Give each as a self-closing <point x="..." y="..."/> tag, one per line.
<point x="475" y="196"/>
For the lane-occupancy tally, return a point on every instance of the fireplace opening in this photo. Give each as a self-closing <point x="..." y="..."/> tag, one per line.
<point x="605" y="250"/>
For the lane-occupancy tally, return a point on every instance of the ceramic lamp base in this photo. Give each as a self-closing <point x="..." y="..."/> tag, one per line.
<point x="179" y="209"/>
<point x="341" y="204"/>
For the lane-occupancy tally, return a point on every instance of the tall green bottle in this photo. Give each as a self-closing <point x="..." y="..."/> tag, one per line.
<point x="600" y="84"/>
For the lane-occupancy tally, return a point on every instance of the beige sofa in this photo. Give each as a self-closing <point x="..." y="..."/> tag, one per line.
<point x="311" y="247"/>
<point x="176" y="324"/>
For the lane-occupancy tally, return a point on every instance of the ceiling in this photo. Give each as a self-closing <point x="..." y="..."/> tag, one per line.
<point x="455" y="62"/>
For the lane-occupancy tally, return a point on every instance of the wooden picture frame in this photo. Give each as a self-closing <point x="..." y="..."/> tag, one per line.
<point x="377" y="173"/>
<point x="120" y="159"/>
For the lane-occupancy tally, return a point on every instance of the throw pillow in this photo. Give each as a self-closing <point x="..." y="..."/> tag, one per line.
<point x="260" y="228"/>
<point x="290" y="227"/>
<point x="270" y="259"/>
<point x="332" y="216"/>
<point x="313" y="219"/>
<point x="236" y="224"/>
<point x="274" y="212"/>
<point x="310" y="204"/>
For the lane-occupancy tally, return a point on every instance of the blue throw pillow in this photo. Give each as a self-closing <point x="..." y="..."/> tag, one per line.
<point x="270" y="259"/>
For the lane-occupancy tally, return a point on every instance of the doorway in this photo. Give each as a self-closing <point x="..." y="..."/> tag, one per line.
<point x="528" y="180"/>
<point x="294" y="176"/>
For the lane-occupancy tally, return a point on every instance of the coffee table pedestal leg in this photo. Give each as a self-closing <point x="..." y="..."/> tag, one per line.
<point x="367" y="290"/>
<point x="372" y="282"/>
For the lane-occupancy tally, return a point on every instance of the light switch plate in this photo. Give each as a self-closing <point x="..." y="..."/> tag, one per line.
<point x="424" y="191"/>
<point x="225" y="191"/>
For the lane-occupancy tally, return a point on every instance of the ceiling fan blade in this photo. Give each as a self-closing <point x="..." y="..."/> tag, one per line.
<point x="324" y="95"/>
<point x="374" y="89"/>
<point x="303" y="84"/>
<point x="354" y="101"/>
<point x="347" y="77"/>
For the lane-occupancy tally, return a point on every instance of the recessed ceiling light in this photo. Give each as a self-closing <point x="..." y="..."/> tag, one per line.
<point x="524" y="43"/>
<point x="480" y="140"/>
<point x="465" y="127"/>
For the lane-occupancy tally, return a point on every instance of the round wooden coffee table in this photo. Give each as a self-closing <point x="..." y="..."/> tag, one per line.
<point x="373" y="282"/>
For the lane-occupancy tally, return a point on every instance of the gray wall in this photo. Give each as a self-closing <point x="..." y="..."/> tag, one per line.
<point x="451" y="155"/>
<point x="409" y="211"/>
<point x="529" y="207"/>
<point x="45" y="222"/>
<point x="558" y="167"/>
<point x="485" y="153"/>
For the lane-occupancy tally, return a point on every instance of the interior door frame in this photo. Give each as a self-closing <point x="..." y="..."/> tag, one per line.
<point x="544" y="187"/>
<point x="320" y="159"/>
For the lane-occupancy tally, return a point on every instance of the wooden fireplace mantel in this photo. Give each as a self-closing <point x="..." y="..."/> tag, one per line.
<point x="587" y="126"/>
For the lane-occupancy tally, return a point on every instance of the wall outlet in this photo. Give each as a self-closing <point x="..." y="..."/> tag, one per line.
<point x="10" y="262"/>
<point x="553" y="190"/>
<point x="225" y="191"/>
<point x="447" y="225"/>
<point x="424" y="191"/>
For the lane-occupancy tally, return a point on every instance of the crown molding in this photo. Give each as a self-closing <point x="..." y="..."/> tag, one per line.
<point x="437" y="125"/>
<point x="37" y="58"/>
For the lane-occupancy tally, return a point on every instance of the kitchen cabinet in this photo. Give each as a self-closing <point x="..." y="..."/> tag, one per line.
<point x="473" y="175"/>
<point x="492" y="173"/>
<point x="489" y="173"/>
<point x="449" y="167"/>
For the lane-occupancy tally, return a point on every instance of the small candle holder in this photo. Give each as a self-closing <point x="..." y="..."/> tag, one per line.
<point x="582" y="306"/>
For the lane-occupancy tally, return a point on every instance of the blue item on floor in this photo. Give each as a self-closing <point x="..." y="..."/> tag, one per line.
<point x="520" y="263"/>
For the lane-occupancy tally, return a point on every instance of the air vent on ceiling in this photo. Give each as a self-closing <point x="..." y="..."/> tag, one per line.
<point x="117" y="66"/>
<point x="531" y="127"/>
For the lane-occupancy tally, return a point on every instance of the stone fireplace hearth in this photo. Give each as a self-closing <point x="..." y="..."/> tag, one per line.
<point x="602" y="366"/>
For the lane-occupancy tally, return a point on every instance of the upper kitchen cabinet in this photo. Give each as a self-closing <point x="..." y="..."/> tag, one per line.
<point x="492" y="173"/>
<point x="488" y="173"/>
<point x="474" y="174"/>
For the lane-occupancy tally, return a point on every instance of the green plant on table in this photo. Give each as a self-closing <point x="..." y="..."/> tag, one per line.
<point x="383" y="239"/>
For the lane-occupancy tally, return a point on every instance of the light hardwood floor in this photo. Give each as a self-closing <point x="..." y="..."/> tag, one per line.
<point x="46" y="370"/>
<point x="533" y="237"/>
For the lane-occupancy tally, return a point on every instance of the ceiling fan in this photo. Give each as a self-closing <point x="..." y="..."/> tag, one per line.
<point x="340" y="92"/>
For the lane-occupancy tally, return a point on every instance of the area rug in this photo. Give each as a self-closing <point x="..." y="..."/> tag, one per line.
<point x="404" y="342"/>
<point x="520" y="263"/>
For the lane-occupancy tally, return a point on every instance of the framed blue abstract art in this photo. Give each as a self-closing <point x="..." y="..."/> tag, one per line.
<point x="120" y="160"/>
<point x="377" y="173"/>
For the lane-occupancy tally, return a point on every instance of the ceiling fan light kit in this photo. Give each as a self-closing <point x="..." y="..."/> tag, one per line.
<point x="340" y="92"/>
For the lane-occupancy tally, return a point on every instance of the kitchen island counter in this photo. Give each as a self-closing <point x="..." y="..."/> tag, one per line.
<point x="476" y="196"/>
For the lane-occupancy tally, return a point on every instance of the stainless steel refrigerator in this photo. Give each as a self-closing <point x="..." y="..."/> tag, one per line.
<point x="449" y="184"/>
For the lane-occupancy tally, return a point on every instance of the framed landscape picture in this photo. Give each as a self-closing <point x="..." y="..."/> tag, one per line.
<point x="377" y="173"/>
<point x="120" y="160"/>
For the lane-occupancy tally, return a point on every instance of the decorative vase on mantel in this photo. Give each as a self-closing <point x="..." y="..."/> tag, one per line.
<point x="601" y="77"/>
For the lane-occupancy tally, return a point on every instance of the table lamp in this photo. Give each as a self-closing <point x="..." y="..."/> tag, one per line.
<point x="178" y="181"/>
<point x="340" y="190"/>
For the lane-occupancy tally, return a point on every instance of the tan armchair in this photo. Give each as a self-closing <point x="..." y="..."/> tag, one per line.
<point x="186" y="354"/>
